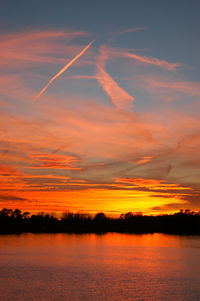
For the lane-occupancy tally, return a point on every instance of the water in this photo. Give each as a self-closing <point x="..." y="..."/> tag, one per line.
<point x="99" y="267"/>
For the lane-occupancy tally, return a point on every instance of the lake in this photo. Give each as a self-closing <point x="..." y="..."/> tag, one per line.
<point x="99" y="267"/>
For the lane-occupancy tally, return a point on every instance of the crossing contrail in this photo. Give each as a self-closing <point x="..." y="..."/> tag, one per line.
<point x="118" y="96"/>
<point x="63" y="70"/>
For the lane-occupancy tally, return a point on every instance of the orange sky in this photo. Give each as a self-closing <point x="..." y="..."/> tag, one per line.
<point x="117" y="132"/>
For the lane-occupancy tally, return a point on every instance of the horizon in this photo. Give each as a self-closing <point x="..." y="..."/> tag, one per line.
<point x="91" y="213"/>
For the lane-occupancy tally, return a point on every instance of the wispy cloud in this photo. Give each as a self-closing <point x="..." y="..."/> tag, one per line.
<point x="144" y="59"/>
<point x="144" y="160"/>
<point x="6" y="170"/>
<point x="118" y="96"/>
<point x="185" y="87"/>
<point x="25" y="48"/>
<point x="56" y="161"/>
<point x="128" y="30"/>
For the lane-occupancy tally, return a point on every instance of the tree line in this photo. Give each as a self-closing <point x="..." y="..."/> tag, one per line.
<point x="16" y="221"/>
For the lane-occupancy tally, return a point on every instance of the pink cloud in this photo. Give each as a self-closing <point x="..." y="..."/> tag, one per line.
<point x="129" y="30"/>
<point x="144" y="160"/>
<point x="186" y="87"/>
<point x="36" y="47"/>
<point x="56" y="161"/>
<point x="119" y="97"/>
<point x="144" y="59"/>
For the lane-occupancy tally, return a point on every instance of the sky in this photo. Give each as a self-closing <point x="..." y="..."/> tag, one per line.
<point x="100" y="106"/>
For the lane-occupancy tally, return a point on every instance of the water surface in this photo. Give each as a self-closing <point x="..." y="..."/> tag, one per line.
<point x="99" y="267"/>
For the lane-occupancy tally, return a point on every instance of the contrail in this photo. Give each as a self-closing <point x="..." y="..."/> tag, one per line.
<point x="118" y="96"/>
<point x="63" y="70"/>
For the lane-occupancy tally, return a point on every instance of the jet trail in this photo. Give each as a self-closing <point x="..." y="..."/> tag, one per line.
<point x="63" y="70"/>
<point x="118" y="96"/>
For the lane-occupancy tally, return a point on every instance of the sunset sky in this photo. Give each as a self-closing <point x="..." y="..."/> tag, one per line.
<point x="119" y="129"/>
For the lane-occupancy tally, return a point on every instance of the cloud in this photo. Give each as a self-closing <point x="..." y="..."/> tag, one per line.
<point x="25" y="48"/>
<point x="10" y="197"/>
<point x="6" y="170"/>
<point x="144" y="160"/>
<point x="174" y="207"/>
<point x="63" y="70"/>
<point x="119" y="97"/>
<point x="166" y="84"/>
<point x="56" y="161"/>
<point x="143" y="59"/>
<point x="128" y="30"/>
<point x="140" y="182"/>
<point x="158" y="186"/>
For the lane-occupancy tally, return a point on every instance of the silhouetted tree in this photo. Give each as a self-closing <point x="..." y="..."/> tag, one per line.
<point x="26" y="215"/>
<point x="183" y="222"/>
<point x="16" y="213"/>
<point x="128" y="215"/>
<point x="6" y="212"/>
<point x="100" y="216"/>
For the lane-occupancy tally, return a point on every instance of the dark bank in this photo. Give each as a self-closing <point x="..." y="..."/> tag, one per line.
<point x="183" y="222"/>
